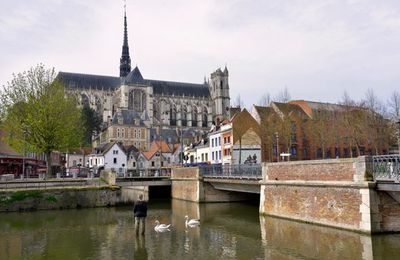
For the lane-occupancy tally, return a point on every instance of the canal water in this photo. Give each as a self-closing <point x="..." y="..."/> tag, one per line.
<point x="227" y="231"/>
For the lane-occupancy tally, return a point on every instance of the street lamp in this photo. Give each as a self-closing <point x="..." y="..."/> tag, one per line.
<point x="398" y="136"/>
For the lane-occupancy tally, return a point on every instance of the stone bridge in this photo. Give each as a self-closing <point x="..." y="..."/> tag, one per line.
<point x="361" y="194"/>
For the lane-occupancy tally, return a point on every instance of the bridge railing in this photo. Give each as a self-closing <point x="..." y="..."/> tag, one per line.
<point x="386" y="168"/>
<point x="161" y="172"/>
<point x="237" y="171"/>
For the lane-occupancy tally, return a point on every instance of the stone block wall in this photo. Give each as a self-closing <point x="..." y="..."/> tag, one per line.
<point x="63" y="198"/>
<point x="186" y="184"/>
<point x="329" y="192"/>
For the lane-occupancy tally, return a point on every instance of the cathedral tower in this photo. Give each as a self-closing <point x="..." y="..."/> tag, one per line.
<point x="219" y="90"/>
<point x="125" y="61"/>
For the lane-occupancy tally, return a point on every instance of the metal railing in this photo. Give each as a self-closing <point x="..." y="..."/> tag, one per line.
<point x="160" y="172"/>
<point x="386" y="168"/>
<point x="238" y="171"/>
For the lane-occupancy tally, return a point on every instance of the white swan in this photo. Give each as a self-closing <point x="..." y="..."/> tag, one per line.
<point x="161" y="227"/>
<point x="191" y="222"/>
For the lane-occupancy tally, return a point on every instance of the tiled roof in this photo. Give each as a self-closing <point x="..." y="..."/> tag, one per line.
<point x="128" y="117"/>
<point x="169" y="88"/>
<point x="105" y="147"/>
<point x="263" y="112"/>
<point x="134" y="77"/>
<point x="234" y="110"/>
<point x="87" y="81"/>
<point x="157" y="146"/>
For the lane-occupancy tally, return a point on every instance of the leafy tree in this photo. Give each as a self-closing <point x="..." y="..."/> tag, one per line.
<point x="91" y="122"/>
<point x="37" y="115"/>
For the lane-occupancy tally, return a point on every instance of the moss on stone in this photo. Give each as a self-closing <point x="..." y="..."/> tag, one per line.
<point x="19" y="196"/>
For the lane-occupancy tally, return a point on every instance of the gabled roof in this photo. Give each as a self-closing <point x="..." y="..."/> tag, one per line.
<point x="288" y="108"/>
<point x="157" y="146"/>
<point x="131" y="149"/>
<point x="80" y="151"/>
<point x="310" y="106"/>
<point x="103" y="148"/>
<point x="263" y="112"/>
<point x="129" y="117"/>
<point x="233" y="111"/>
<point x="134" y="77"/>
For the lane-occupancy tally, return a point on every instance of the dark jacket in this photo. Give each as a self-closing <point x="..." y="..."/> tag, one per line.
<point x="140" y="209"/>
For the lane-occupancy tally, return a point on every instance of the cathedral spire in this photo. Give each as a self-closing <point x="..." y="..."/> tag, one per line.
<point x="125" y="61"/>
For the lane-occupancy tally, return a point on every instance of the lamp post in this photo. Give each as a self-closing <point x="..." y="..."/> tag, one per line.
<point x="24" y="152"/>
<point x="398" y="136"/>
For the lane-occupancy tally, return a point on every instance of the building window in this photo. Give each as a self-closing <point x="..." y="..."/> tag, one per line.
<point x="219" y="152"/>
<point x="152" y="163"/>
<point x="204" y="117"/>
<point x="219" y="141"/>
<point x="115" y="160"/>
<point x="229" y="139"/>
<point x="184" y="116"/>
<point x="206" y="157"/>
<point x="134" y="164"/>
<point x="115" y="151"/>
<point x="212" y="142"/>
<point x="212" y="154"/>
<point x="118" y="133"/>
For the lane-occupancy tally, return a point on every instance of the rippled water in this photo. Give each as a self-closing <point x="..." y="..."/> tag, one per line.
<point x="227" y="231"/>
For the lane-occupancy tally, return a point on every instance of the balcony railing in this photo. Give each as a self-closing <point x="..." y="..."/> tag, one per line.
<point x="238" y="171"/>
<point x="386" y="168"/>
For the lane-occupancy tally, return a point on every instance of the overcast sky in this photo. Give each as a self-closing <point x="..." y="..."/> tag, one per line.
<point x="317" y="49"/>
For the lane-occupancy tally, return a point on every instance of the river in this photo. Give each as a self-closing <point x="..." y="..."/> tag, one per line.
<point x="227" y="231"/>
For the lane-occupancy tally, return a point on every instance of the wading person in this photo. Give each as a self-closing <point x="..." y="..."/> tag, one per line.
<point x="140" y="213"/>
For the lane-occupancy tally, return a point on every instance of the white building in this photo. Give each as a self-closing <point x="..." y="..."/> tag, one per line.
<point x="215" y="153"/>
<point x="110" y="156"/>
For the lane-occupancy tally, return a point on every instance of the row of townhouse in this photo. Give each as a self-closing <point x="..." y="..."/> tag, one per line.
<point x="233" y="141"/>
<point x="129" y="160"/>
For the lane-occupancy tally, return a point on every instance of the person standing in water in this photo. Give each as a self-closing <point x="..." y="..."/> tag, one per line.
<point x="140" y="213"/>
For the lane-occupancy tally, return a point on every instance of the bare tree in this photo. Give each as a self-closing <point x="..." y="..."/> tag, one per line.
<point x="238" y="102"/>
<point x="394" y="105"/>
<point x="264" y="100"/>
<point x="321" y="129"/>
<point x="283" y="96"/>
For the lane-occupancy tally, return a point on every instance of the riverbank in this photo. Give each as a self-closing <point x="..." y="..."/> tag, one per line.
<point x="65" y="198"/>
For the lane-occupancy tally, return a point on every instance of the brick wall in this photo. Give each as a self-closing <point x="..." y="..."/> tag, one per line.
<point x="330" y="192"/>
<point x="318" y="170"/>
<point x="336" y="206"/>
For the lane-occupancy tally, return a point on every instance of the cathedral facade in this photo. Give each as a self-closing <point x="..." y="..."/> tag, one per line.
<point x="150" y="103"/>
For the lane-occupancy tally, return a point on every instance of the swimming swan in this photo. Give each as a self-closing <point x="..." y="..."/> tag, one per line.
<point x="161" y="227"/>
<point x="191" y="222"/>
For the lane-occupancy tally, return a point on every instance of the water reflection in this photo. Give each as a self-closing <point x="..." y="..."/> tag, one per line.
<point x="227" y="231"/>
